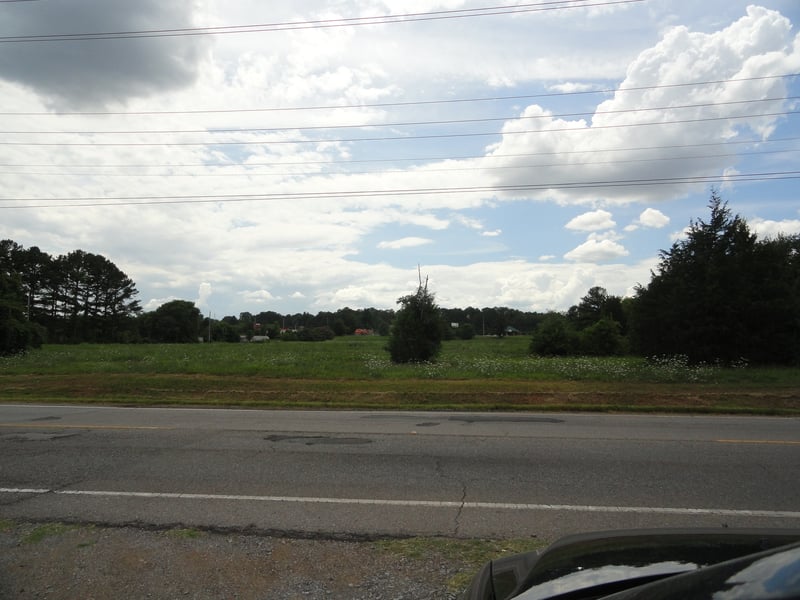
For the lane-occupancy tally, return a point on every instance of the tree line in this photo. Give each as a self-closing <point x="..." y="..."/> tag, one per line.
<point x="71" y="298"/>
<point x="718" y="295"/>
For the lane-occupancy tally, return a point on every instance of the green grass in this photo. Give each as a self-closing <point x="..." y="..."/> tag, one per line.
<point x="355" y="372"/>
<point x="188" y="534"/>
<point x="46" y="530"/>
<point x="469" y="554"/>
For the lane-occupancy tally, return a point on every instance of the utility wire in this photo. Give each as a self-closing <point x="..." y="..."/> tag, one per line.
<point x="392" y="104"/>
<point x="405" y="137"/>
<point x="409" y="159"/>
<point x="401" y="124"/>
<point x="319" y="24"/>
<point x="425" y="171"/>
<point x="94" y="201"/>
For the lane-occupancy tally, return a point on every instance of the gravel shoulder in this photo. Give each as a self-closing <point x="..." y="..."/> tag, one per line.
<point x="59" y="561"/>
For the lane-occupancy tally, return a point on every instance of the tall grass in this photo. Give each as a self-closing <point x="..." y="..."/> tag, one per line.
<point x="364" y="358"/>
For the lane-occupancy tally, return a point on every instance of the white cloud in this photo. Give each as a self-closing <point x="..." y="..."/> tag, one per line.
<point x="596" y="251"/>
<point x="494" y="233"/>
<point x="257" y="297"/>
<point x="407" y="242"/>
<point x="154" y="303"/>
<point x="620" y="142"/>
<point x="572" y="87"/>
<point x="654" y="218"/>
<point x="651" y="218"/>
<point x="680" y="235"/>
<point x="605" y="235"/>
<point x="766" y="228"/>
<point x="203" y="293"/>
<point x="729" y="175"/>
<point x="592" y="221"/>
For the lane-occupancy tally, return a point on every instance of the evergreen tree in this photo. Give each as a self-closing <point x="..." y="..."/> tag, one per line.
<point x="722" y="295"/>
<point x="417" y="331"/>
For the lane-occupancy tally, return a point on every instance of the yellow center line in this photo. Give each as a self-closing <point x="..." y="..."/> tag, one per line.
<point x="50" y="426"/>
<point x="773" y="442"/>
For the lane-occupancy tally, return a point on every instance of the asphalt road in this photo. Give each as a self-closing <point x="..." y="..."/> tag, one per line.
<point x="353" y="474"/>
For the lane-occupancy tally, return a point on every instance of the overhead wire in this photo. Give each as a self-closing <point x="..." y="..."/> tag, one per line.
<point x="320" y="24"/>
<point x="95" y="201"/>
<point x="423" y="171"/>
<point x="392" y="104"/>
<point x="411" y="159"/>
<point x="523" y="117"/>
<point x="402" y="137"/>
<point x="117" y="201"/>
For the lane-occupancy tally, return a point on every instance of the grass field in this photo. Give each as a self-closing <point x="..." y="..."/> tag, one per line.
<point x="355" y="372"/>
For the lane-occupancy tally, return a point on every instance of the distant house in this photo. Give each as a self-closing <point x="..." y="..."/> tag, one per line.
<point x="364" y="332"/>
<point x="512" y="331"/>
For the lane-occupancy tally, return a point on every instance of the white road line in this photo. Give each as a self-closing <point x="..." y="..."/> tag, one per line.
<point x="776" y="514"/>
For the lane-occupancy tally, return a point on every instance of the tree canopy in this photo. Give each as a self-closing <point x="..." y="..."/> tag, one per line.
<point x="77" y="297"/>
<point x="722" y="295"/>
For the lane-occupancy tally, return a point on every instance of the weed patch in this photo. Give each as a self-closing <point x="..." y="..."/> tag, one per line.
<point x="46" y="530"/>
<point x="469" y="554"/>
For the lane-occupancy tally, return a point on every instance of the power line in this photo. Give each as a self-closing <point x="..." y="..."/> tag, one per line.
<point x="419" y="158"/>
<point x="401" y="124"/>
<point x="319" y="24"/>
<point x="426" y="171"/>
<point x="404" y="137"/>
<point x="392" y="104"/>
<point x="96" y="201"/>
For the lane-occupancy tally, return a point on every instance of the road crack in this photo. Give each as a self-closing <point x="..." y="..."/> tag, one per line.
<point x="460" y="509"/>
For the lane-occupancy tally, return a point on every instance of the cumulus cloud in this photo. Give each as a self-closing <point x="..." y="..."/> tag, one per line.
<point x="406" y="242"/>
<point x="596" y="251"/>
<point x="651" y="218"/>
<point x="257" y="297"/>
<point x="766" y="228"/>
<point x="572" y="87"/>
<point x="154" y="303"/>
<point x="101" y="72"/>
<point x="203" y="293"/>
<point x="494" y="233"/>
<point x="621" y="142"/>
<point x="592" y="221"/>
<point x="654" y="218"/>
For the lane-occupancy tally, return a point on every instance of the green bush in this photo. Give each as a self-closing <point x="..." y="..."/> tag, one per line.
<point x="554" y="336"/>
<point x="417" y="331"/>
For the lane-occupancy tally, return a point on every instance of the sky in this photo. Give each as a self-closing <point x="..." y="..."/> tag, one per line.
<point x="310" y="156"/>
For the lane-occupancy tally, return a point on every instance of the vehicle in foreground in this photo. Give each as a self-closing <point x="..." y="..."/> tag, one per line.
<point x="660" y="564"/>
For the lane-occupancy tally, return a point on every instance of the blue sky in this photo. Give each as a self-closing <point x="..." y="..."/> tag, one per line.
<point x="516" y="159"/>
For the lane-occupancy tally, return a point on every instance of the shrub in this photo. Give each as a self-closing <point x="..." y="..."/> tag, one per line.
<point x="417" y="331"/>
<point x="554" y="337"/>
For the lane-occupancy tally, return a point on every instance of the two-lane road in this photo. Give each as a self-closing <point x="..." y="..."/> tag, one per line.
<point x="396" y="473"/>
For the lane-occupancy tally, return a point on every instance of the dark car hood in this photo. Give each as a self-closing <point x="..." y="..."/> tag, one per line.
<point x="598" y="564"/>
